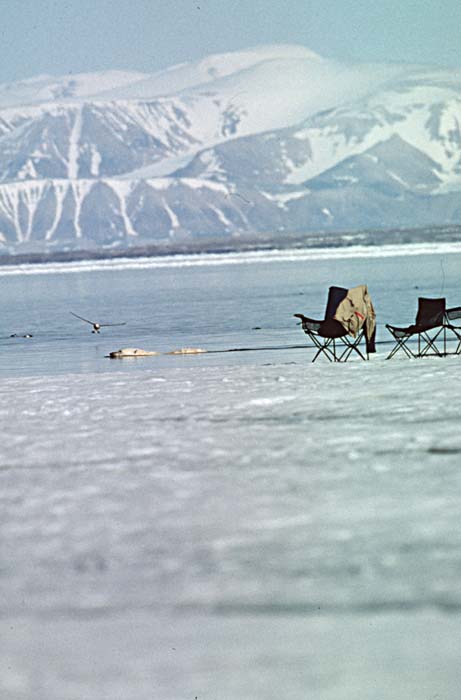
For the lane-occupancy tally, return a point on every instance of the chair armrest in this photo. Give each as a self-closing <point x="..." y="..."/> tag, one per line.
<point x="309" y="324"/>
<point x="453" y="314"/>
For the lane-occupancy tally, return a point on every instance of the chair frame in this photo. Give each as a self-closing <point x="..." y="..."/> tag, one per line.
<point x="329" y="336"/>
<point x="426" y="342"/>
<point x="335" y="349"/>
<point x="428" y="337"/>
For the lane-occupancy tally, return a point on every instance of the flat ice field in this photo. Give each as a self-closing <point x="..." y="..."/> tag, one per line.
<point x="258" y="528"/>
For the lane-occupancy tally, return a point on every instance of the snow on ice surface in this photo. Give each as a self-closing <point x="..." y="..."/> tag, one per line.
<point x="241" y="525"/>
<point x="342" y="546"/>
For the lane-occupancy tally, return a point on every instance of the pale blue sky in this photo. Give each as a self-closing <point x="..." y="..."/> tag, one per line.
<point x="70" y="36"/>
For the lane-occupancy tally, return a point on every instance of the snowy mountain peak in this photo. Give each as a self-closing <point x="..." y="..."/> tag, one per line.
<point x="196" y="74"/>
<point x="272" y="138"/>
<point x="46" y="88"/>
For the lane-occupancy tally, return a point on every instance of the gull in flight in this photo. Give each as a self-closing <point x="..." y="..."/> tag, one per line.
<point x="96" y="326"/>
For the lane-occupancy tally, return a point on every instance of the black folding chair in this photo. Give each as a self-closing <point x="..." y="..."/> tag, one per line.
<point x="328" y="335"/>
<point x="433" y="322"/>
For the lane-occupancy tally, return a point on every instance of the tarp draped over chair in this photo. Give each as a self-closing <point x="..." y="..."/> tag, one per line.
<point x="349" y="319"/>
<point x="432" y="330"/>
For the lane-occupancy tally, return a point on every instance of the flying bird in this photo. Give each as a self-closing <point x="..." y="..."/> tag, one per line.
<point x="96" y="326"/>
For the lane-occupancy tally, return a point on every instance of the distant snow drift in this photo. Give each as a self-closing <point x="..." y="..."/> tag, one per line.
<point x="272" y="139"/>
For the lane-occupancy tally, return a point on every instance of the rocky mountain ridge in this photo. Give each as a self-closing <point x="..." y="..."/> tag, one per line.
<point x="274" y="140"/>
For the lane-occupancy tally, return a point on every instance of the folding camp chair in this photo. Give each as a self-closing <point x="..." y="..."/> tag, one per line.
<point x="433" y="322"/>
<point x="328" y="335"/>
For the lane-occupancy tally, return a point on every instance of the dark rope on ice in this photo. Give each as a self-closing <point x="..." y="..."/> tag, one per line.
<point x="267" y="347"/>
<point x="280" y="347"/>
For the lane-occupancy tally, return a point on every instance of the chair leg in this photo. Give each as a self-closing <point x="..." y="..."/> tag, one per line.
<point x="323" y="348"/>
<point x="431" y="344"/>
<point x="401" y="345"/>
<point x="329" y="347"/>
<point x="350" y="347"/>
<point x="456" y="330"/>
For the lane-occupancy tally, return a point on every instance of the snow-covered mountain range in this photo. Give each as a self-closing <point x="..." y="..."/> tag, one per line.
<point x="274" y="140"/>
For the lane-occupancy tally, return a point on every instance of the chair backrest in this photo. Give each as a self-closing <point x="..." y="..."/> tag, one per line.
<point x="335" y="297"/>
<point x="430" y="312"/>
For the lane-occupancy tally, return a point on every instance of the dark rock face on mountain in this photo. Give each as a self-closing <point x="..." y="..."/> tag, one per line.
<point x="274" y="140"/>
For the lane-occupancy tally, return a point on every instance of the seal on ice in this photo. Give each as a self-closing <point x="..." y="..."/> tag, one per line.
<point x="131" y="352"/>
